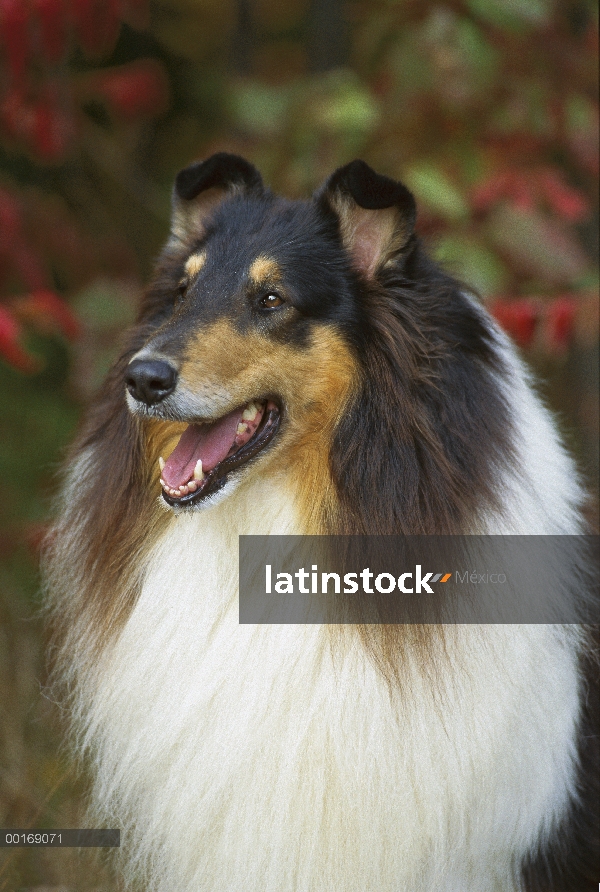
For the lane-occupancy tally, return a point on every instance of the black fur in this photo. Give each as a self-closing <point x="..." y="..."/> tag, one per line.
<point x="421" y="338"/>
<point x="218" y="171"/>
<point x="372" y="190"/>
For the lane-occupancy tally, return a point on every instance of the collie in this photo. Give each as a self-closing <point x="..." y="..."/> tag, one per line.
<point x="302" y="367"/>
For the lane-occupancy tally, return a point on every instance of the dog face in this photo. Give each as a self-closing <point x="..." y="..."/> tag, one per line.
<point x="250" y="348"/>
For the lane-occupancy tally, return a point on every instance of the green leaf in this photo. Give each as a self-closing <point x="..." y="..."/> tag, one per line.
<point x="432" y="187"/>
<point x="473" y="263"/>
<point x="512" y="13"/>
<point x="349" y="110"/>
<point x="259" y="108"/>
<point x="478" y="54"/>
<point x="581" y="114"/>
<point x="345" y="106"/>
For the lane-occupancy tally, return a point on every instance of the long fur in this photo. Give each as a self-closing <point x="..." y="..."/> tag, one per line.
<point x="274" y="758"/>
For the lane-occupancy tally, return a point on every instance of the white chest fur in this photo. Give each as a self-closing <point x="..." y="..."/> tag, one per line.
<point x="249" y="759"/>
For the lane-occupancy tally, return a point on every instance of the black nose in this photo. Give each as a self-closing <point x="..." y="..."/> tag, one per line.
<point x="150" y="380"/>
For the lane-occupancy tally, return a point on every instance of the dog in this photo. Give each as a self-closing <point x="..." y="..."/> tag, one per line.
<point x="303" y="367"/>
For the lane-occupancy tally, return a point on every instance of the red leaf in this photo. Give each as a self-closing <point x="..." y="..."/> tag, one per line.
<point x="490" y="190"/>
<point x="52" y="307"/>
<point x="16" y="115"/>
<point x="10" y="348"/>
<point x="50" y="132"/>
<point x="53" y="22"/>
<point x="44" y="125"/>
<point x="518" y="318"/>
<point x="526" y="189"/>
<point x="568" y="203"/>
<point x="43" y="132"/>
<point x="14" y="33"/>
<point x="28" y="266"/>
<point x="97" y="24"/>
<point x="135" y="90"/>
<point x="514" y="184"/>
<point x="560" y="323"/>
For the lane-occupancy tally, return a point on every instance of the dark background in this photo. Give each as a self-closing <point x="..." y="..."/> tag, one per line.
<point x="487" y="110"/>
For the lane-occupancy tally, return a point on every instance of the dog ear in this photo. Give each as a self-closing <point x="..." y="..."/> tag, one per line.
<point x="200" y="187"/>
<point x="376" y="215"/>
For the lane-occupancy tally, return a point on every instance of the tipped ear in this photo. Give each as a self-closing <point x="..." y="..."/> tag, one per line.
<point x="200" y="187"/>
<point x="376" y="215"/>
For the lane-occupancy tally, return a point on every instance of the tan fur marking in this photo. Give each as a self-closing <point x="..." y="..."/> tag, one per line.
<point x="263" y="270"/>
<point x="194" y="264"/>
<point x="243" y="366"/>
<point x="162" y="438"/>
<point x="316" y="384"/>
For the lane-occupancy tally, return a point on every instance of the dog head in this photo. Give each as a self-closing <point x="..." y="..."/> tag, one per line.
<point x="251" y="323"/>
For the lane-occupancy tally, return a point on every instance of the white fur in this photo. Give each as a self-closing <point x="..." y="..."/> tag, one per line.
<point x="241" y="758"/>
<point x="543" y="495"/>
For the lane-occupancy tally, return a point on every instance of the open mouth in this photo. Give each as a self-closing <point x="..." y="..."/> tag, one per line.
<point x="207" y="453"/>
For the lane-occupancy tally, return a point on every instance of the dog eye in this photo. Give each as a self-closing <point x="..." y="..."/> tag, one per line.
<point x="181" y="289"/>
<point x="271" y="301"/>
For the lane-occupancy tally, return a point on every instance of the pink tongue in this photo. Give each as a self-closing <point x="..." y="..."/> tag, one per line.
<point x="210" y="442"/>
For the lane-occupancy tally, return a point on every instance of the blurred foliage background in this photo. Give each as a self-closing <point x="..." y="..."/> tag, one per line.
<point x="487" y="109"/>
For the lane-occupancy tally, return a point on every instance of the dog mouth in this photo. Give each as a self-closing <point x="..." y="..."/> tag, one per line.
<point x="208" y="452"/>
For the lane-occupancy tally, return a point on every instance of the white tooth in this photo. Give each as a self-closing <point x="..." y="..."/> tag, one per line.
<point x="183" y="490"/>
<point x="174" y="492"/>
<point x="198" y="475"/>
<point x="163" y="484"/>
<point x="250" y="412"/>
<point x="161" y="464"/>
<point x="242" y="428"/>
<point x="192" y="486"/>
